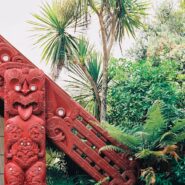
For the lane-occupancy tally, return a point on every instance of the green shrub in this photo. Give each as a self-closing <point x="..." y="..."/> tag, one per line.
<point x="136" y="87"/>
<point x="56" y="177"/>
<point x="179" y="171"/>
<point x="154" y="144"/>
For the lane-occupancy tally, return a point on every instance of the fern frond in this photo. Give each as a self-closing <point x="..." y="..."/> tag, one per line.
<point x="179" y="131"/>
<point x="179" y="125"/>
<point x="160" y="154"/>
<point x="168" y="138"/>
<point x="155" y="124"/>
<point x="141" y="134"/>
<point x="167" y="135"/>
<point x="104" y="180"/>
<point x="143" y="154"/>
<point x="180" y="137"/>
<point x="112" y="148"/>
<point x="129" y="140"/>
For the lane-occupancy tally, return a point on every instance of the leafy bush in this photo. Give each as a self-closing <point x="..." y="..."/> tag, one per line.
<point x="163" y="36"/>
<point x="56" y="177"/>
<point x="174" y="175"/>
<point x="136" y="87"/>
<point x="163" y="179"/>
<point x="61" y="170"/>
<point x="179" y="172"/>
<point x="155" y="143"/>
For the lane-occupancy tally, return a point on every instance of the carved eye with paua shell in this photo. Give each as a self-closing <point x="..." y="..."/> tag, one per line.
<point x="17" y="87"/>
<point x="33" y="87"/>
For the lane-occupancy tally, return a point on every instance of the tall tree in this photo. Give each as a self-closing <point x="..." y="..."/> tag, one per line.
<point x="116" y="18"/>
<point x="86" y="77"/>
<point x="82" y="58"/>
<point x="52" y="31"/>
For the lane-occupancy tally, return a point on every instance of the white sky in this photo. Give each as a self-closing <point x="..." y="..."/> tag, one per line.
<point x="13" y="26"/>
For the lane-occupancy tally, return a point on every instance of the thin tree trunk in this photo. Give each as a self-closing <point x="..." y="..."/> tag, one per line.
<point x="105" y="70"/>
<point x="56" y="70"/>
<point x="94" y="86"/>
<point x="106" y="56"/>
<point x="104" y="89"/>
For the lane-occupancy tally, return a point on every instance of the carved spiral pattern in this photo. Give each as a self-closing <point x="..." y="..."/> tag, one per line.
<point x="71" y="131"/>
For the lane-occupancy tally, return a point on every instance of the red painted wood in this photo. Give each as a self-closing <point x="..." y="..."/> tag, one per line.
<point x="24" y="126"/>
<point x="68" y="125"/>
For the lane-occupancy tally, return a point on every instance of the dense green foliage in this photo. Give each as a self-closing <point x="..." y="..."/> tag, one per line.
<point x="153" y="71"/>
<point x="157" y="132"/>
<point x="176" y="175"/>
<point x="137" y="86"/>
<point x="56" y="177"/>
<point x="146" y="94"/>
<point x="154" y="144"/>
<point x="156" y="70"/>
<point x="63" y="171"/>
<point x="178" y="171"/>
<point x="163" y="36"/>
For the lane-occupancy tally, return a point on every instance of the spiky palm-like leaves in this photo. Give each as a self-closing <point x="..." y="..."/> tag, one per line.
<point x="115" y="18"/>
<point x="80" y="83"/>
<point x="126" y="14"/>
<point x="52" y="31"/>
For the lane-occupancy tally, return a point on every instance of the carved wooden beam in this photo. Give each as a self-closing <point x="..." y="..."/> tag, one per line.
<point x="71" y="128"/>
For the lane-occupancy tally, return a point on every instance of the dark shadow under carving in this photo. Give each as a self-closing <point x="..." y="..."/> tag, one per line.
<point x="1" y="108"/>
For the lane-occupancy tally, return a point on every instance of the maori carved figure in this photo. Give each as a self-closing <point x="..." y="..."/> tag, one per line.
<point x="68" y="125"/>
<point x="24" y="127"/>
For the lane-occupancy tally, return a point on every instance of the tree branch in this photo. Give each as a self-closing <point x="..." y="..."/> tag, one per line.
<point x="92" y="5"/>
<point x="93" y="84"/>
<point x="103" y="34"/>
<point x="112" y="34"/>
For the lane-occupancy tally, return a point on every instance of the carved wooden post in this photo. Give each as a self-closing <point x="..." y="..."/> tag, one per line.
<point x="69" y="126"/>
<point x="24" y="127"/>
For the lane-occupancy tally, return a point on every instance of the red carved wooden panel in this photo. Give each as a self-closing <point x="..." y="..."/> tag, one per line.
<point x="68" y="125"/>
<point x="24" y="127"/>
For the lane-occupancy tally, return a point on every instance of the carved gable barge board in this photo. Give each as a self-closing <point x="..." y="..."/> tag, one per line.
<point x="74" y="130"/>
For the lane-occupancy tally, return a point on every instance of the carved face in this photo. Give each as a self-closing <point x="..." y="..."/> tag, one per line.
<point x="24" y="90"/>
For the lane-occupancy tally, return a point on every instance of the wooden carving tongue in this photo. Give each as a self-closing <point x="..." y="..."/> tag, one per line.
<point x="25" y="113"/>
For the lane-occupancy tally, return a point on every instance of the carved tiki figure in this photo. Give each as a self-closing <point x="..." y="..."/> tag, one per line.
<point x="24" y="127"/>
